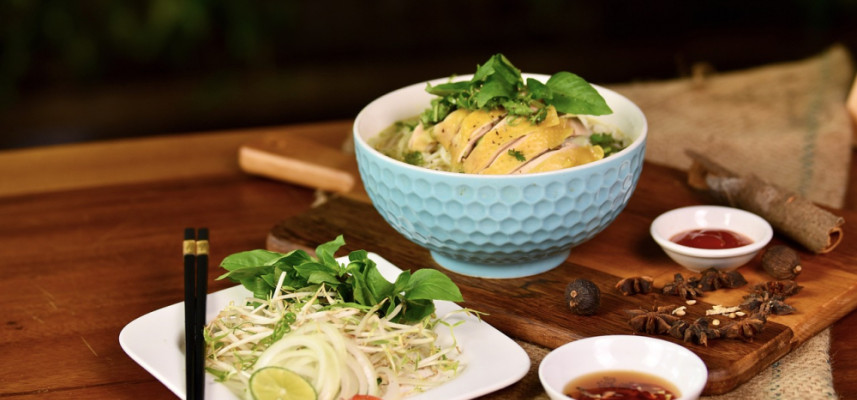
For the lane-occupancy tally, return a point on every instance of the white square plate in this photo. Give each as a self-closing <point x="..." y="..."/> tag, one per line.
<point x="492" y="360"/>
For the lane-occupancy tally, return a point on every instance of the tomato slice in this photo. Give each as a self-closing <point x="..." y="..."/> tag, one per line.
<point x="365" y="397"/>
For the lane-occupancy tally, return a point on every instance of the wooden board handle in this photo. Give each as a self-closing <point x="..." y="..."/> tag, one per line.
<point x="301" y="161"/>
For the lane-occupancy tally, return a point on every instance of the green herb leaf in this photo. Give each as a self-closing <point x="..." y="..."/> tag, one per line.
<point x="517" y="155"/>
<point x="359" y="282"/>
<point x="539" y="90"/>
<point x="609" y="144"/>
<point x="414" y="158"/>
<point x="498" y="83"/>
<point x="573" y="95"/>
<point x="431" y="284"/>
<point x="416" y="310"/>
<point x="252" y="257"/>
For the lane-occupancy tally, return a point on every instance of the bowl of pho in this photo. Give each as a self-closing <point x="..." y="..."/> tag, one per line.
<point x="499" y="174"/>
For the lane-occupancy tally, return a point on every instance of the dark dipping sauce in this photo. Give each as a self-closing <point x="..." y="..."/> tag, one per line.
<point x="625" y="385"/>
<point x="711" y="239"/>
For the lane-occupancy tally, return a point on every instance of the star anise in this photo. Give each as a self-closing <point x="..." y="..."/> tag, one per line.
<point x="682" y="288"/>
<point x="699" y="331"/>
<point x="634" y="285"/>
<point x="658" y="321"/>
<point x="746" y="328"/>
<point x="714" y="279"/>
<point x="766" y="303"/>
<point x="784" y="288"/>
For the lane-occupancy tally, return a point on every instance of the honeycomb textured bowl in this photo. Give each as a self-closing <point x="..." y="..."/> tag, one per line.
<point x="496" y="226"/>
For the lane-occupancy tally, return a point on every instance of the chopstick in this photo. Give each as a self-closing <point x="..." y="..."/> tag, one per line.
<point x="189" y="252"/>
<point x="195" y="251"/>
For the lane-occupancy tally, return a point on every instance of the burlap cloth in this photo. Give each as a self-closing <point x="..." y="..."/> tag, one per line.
<point x="787" y="123"/>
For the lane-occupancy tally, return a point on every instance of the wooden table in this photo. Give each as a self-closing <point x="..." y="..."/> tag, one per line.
<point x="90" y="240"/>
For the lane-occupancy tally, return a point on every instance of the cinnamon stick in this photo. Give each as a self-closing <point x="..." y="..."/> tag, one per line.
<point x="819" y="230"/>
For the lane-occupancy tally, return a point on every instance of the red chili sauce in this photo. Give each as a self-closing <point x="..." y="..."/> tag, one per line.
<point x="711" y="239"/>
<point x="624" y="385"/>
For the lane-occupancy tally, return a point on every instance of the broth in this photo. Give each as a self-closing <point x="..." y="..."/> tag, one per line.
<point x="619" y="384"/>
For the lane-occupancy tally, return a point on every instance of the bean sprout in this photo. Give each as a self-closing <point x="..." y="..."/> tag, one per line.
<point x="340" y="349"/>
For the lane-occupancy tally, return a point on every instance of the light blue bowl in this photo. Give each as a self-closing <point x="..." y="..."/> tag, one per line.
<point x="497" y="226"/>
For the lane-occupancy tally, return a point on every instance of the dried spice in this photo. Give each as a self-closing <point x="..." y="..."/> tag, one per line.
<point x="714" y="279"/>
<point x="770" y="297"/>
<point x="699" y="331"/>
<point x="781" y="262"/>
<point x="766" y="303"/>
<point x="635" y="285"/>
<point x="815" y="228"/>
<point x="746" y="328"/>
<point x="583" y="297"/>
<point x="658" y="321"/>
<point x="784" y="288"/>
<point x="682" y="288"/>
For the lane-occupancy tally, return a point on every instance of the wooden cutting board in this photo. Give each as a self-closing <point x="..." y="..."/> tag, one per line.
<point x="533" y="309"/>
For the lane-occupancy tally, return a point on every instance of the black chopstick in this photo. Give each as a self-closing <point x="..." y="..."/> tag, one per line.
<point x="189" y="253"/>
<point x="201" y="289"/>
<point x="195" y="251"/>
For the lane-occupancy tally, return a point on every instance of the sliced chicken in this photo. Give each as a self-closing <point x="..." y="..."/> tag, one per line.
<point x="502" y="136"/>
<point x="569" y="155"/>
<point x="526" y="148"/>
<point x="473" y="127"/>
<point x="444" y="131"/>
<point x="422" y="140"/>
<point x="579" y="128"/>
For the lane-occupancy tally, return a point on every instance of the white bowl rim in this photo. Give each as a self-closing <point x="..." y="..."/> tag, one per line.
<point x="360" y="141"/>
<point x="557" y="352"/>
<point x="767" y="234"/>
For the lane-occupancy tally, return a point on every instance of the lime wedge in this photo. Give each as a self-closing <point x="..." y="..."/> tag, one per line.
<point x="277" y="383"/>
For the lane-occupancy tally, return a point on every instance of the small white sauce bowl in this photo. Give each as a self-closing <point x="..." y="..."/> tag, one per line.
<point x="666" y="360"/>
<point x="680" y="220"/>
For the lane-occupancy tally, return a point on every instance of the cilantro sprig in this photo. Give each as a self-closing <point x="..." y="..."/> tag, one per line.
<point x="607" y="142"/>
<point x="498" y="83"/>
<point x="358" y="283"/>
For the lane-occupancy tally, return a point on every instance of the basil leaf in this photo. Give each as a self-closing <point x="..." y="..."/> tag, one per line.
<point x="416" y="310"/>
<point x="318" y="277"/>
<point x="258" y="286"/>
<point x="573" y="95"/>
<point x="431" y="284"/>
<point x="325" y="252"/>
<point x="246" y="272"/>
<point x="494" y="89"/>
<point x="252" y="258"/>
<point x="358" y="282"/>
<point x="446" y="89"/>
<point x="498" y="83"/>
<point x="539" y="90"/>
<point x="379" y="286"/>
<point x="498" y="67"/>
<point x="401" y="281"/>
<point x="306" y="269"/>
<point x="292" y="258"/>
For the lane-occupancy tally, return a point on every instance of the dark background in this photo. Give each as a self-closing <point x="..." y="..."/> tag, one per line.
<point x="100" y="69"/>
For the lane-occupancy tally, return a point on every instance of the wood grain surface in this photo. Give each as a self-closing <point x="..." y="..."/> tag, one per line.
<point x="533" y="310"/>
<point x="91" y="240"/>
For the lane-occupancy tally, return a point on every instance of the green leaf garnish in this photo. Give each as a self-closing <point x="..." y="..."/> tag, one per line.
<point x="359" y="283"/>
<point x="607" y="142"/>
<point x="498" y="83"/>
<point x="573" y="95"/>
<point x="518" y="155"/>
<point x="414" y="158"/>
